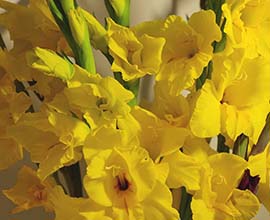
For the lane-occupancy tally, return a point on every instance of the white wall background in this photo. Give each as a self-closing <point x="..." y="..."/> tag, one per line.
<point x="141" y="10"/>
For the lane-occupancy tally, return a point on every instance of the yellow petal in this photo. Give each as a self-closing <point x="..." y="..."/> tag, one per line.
<point x="205" y="119"/>
<point x="246" y="202"/>
<point x="158" y="204"/>
<point x="29" y="190"/>
<point x="184" y="171"/>
<point x="224" y="180"/>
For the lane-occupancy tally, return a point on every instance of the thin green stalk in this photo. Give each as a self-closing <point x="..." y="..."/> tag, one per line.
<point x="206" y="74"/>
<point x="221" y="146"/>
<point x="185" y="209"/>
<point x="123" y="18"/>
<point x="241" y="146"/>
<point x="72" y="175"/>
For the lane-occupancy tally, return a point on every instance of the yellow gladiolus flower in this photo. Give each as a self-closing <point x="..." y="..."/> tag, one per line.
<point x="29" y="191"/>
<point x="172" y="108"/>
<point x="235" y="101"/>
<point x="53" y="142"/>
<point x="163" y="142"/>
<point x="219" y="197"/>
<point x="123" y="179"/>
<point x="247" y="26"/>
<point x="156" y="134"/>
<point x="129" y="184"/>
<point x="99" y="103"/>
<point x="187" y="50"/>
<point x="133" y="56"/>
<point x="45" y="85"/>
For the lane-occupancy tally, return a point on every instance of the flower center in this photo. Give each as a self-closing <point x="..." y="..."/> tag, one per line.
<point x="102" y="103"/>
<point x="38" y="192"/>
<point x="122" y="182"/>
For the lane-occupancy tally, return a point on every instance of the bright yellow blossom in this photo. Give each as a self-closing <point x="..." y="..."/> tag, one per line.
<point x="99" y="103"/>
<point x="156" y="134"/>
<point x="29" y="191"/>
<point x="98" y="100"/>
<point x="130" y="184"/>
<point x="247" y="25"/>
<point x="45" y="85"/>
<point x="188" y="47"/>
<point x="219" y="197"/>
<point x="172" y="108"/>
<point x="123" y="179"/>
<point x="235" y="101"/>
<point x="54" y="141"/>
<point x="163" y="142"/>
<point x="133" y="56"/>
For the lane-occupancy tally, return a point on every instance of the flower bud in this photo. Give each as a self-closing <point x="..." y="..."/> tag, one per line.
<point x="49" y="62"/>
<point x="119" y="10"/>
<point x="77" y="25"/>
<point x="98" y="34"/>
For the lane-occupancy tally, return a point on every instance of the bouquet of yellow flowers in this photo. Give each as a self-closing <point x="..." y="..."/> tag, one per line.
<point x="101" y="152"/>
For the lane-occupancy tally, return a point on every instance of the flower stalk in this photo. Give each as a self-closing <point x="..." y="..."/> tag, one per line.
<point x="73" y="25"/>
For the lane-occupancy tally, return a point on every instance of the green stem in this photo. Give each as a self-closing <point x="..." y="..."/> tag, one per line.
<point x="206" y="74"/>
<point x="185" y="209"/>
<point x="122" y="19"/>
<point x="72" y="175"/>
<point x="221" y="146"/>
<point x="241" y="146"/>
<point x="67" y="5"/>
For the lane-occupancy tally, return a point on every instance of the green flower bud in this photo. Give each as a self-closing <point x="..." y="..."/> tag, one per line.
<point x="98" y="34"/>
<point x="119" y="10"/>
<point x="50" y="63"/>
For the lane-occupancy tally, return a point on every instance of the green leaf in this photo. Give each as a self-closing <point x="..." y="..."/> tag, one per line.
<point x="241" y="146"/>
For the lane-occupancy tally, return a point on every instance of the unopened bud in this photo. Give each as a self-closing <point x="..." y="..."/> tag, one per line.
<point x="50" y="63"/>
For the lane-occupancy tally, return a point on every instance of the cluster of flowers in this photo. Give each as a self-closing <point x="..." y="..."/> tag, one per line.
<point x="138" y="155"/>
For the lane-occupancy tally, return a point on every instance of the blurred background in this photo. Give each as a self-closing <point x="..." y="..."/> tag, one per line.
<point x="141" y="10"/>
